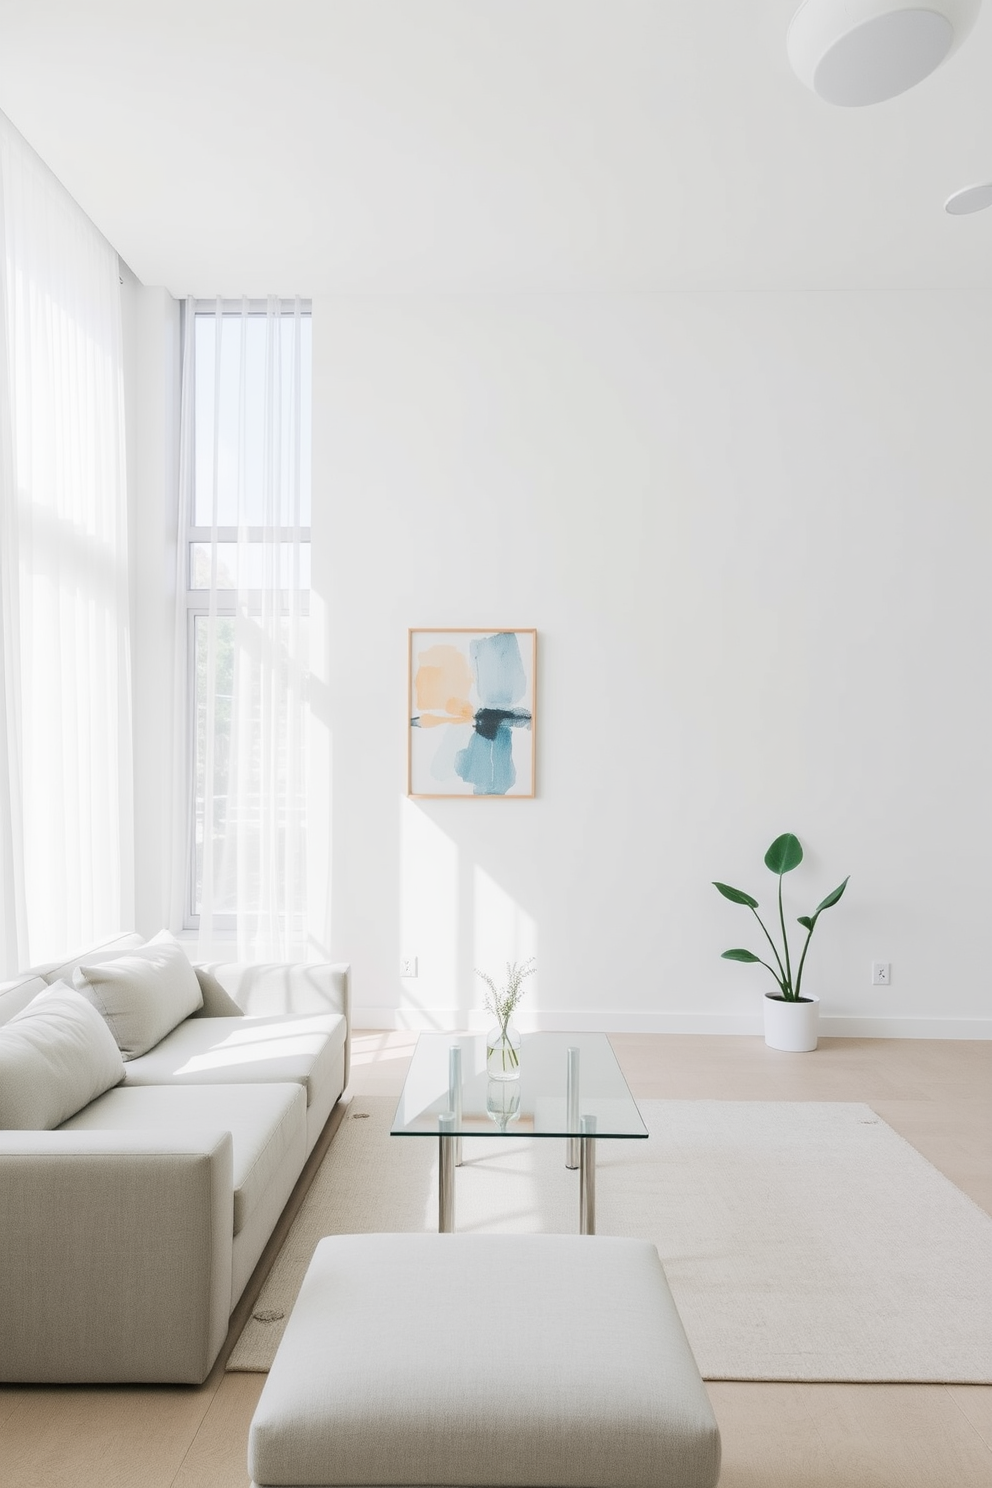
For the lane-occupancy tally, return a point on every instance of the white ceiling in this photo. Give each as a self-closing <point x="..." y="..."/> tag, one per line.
<point x="316" y="146"/>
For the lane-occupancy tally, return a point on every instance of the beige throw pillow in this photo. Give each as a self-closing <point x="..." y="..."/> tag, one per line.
<point x="144" y="994"/>
<point x="56" y="1055"/>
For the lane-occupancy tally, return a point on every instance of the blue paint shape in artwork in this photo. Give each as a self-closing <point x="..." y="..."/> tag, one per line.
<point x="454" y="739"/>
<point x="486" y="763"/>
<point x="499" y="671"/>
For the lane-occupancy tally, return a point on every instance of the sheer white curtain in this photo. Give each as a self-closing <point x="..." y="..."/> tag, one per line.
<point x="65" y="761"/>
<point x="245" y="546"/>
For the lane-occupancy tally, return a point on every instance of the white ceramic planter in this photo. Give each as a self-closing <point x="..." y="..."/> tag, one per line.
<point x="791" y="1026"/>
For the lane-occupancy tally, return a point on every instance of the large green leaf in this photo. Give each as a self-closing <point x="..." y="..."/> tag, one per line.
<point x="831" y="899"/>
<point x="736" y="896"/>
<point x="784" y="854"/>
<point x="740" y="956"/>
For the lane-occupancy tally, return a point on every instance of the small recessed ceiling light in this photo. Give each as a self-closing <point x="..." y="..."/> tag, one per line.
<point x="856" y="52"/>
<point x="969" y="199"/>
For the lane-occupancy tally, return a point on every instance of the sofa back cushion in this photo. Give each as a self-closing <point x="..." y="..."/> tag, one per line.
<point x="61" y="971"/>
<point x="15" y="995"/>
<point x="56" y="1056"/>
<point x="142" y="995"/>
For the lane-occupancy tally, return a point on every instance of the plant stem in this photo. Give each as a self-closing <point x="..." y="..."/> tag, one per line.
<point x="781" y="977"/>
<point x="506" y="1047"/>
<point x="802" y="959"/>
<point x="787" y="991"/>
<point x="778" y="981"/>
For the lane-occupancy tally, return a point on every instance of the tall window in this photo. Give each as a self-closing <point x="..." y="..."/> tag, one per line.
<point x="246" y="557"/>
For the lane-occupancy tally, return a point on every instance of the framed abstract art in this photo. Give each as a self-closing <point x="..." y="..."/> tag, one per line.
<point x="471" y="698"/>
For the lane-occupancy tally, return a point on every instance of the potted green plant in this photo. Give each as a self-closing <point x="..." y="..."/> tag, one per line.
<point x="790" y="1014"/>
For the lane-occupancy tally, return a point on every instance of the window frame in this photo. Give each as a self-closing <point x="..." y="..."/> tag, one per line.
<point x="225" y="606"/>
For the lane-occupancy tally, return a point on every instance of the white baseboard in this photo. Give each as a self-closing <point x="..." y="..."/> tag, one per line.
<point x="906" y="1028"/>
<point x="452" y="1019"/>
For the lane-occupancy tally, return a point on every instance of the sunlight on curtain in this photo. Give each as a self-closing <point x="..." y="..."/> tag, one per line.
<point x="65" y="763"/>
<point x="245" y="544"/>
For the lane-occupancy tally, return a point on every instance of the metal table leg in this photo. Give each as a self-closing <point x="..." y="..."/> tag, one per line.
<point x="455" y="1097"/>
<point x="446" y="1142"/>
<point x="587" y="1176"/>
<point x="572" y="1108"/>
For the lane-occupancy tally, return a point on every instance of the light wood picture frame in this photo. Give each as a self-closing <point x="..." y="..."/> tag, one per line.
<point x="471" y="697"/>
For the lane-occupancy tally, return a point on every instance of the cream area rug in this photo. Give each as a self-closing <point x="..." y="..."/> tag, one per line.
<point x="802" y="1241"/>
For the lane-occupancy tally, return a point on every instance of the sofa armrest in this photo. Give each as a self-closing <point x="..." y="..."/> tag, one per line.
<point x="116" y="1255"/>
<point x="265" y="989"/>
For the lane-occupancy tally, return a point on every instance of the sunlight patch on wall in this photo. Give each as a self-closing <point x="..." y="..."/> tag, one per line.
<point x="429" y="903"/>
<point x="503" y="931"/>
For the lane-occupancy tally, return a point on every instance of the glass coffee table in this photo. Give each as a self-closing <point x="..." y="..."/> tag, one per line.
<point x="569" y="1086"/>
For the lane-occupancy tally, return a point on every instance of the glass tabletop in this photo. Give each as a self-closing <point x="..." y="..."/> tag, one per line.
<point x="537" y="1104"/>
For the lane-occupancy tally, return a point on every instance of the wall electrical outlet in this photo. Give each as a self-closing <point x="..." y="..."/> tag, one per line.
<point x="408" y="966"/>
<point x="881" y="973"/>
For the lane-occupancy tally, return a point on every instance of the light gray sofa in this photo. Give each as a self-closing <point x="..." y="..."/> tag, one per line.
<point x="129" y="1231"/>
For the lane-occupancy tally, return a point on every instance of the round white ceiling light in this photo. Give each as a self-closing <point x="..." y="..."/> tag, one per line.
<point x="856" y="52"/>
<point x="969" y="199"/>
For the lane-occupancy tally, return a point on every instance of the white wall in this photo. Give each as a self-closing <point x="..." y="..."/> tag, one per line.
<point x="753" y="532"/>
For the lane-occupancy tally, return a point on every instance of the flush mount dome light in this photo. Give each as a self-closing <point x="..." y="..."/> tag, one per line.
<point x="854" y="52"/>
<point x="969" y="199"/>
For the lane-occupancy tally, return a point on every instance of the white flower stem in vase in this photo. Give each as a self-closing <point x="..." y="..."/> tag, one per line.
<point x="503" y="1041"/>
<point x="503" y="1053"/>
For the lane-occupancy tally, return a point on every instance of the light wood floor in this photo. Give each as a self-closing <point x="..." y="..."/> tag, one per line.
<point x="937" y="1094"/>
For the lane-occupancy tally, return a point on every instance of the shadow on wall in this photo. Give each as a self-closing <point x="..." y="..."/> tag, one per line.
<point x="454" y="916"/>
<point x="262" y="989"/>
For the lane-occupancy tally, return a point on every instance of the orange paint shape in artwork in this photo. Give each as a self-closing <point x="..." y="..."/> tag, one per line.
<point x="455" y="712"/>
<point x="442" y="685"/>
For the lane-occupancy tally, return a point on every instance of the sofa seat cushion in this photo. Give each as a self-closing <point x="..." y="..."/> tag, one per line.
<point x="267" y="1125"/>
<point x="303" y="1047"/>
<point x="56" y="1055"/>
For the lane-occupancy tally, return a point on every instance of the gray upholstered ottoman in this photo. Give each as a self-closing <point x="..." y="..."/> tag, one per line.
<point x="484" y="1361"/>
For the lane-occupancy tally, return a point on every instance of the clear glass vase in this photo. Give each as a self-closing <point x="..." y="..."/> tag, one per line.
<point x="503" y="1053"/>
<point x="503" y="1102"/>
